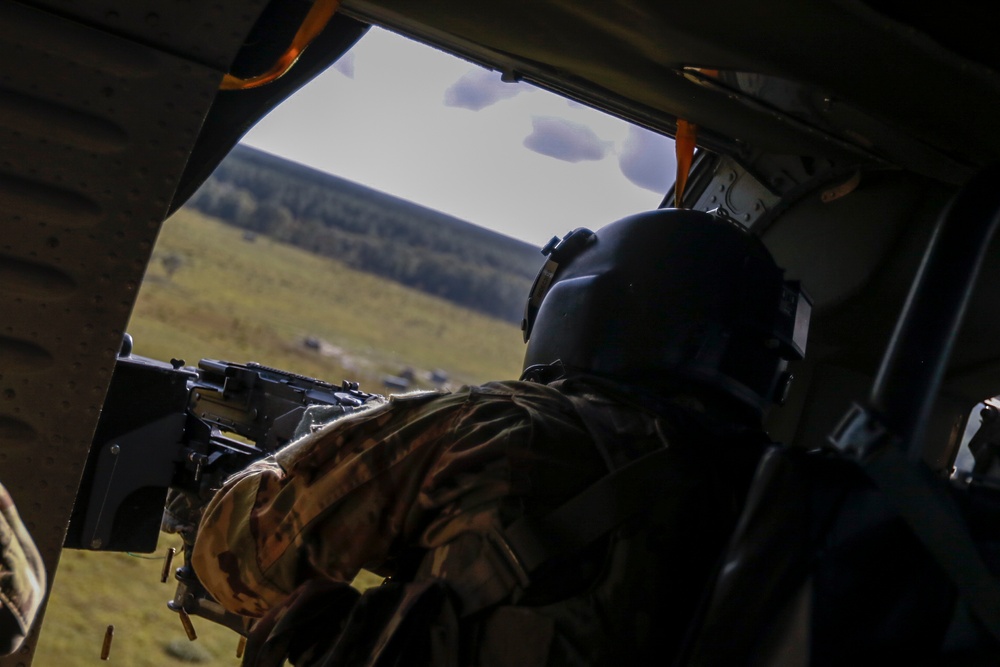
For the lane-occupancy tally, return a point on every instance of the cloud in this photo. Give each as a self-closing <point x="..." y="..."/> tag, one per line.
<point x="345" y="64"/>
<point x="647" y="159"/>
<point x="478" y="89"/>
<point x="565" y="140"/>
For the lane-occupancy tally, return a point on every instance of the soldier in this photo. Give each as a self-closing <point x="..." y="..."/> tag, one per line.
<point x="22" y="577"/>
<point x="570" y="518"/>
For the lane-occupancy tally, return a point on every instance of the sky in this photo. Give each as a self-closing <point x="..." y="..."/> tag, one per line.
<point x="420" y="124"/>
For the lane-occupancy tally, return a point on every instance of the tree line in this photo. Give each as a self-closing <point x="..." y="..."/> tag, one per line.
<point x="371" y="231"/>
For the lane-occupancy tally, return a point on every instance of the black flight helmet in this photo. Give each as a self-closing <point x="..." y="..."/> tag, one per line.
<point x="666" y="296"/>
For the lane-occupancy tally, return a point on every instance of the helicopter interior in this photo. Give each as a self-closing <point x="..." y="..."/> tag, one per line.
<point x="840" y="131"/>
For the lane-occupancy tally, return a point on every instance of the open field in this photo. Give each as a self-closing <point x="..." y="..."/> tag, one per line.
<point x="242" y="301"/>
<point x="233" y="299"/>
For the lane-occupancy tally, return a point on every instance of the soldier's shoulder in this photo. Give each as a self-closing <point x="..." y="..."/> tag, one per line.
<point x="418" y="397"/>
<point x="517" y="388"/>
<point x="539" y="401"/>
<point x="499" y="389"/>
<point x="518" y="397"/>
<point x="470" y="401"/>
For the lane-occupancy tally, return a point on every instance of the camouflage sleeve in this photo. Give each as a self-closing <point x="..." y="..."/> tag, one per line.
<point x="335" y="500"/>
<point x="22" y="577"/>
<point x="224" y="550"/>
<point x="419" y="471"/>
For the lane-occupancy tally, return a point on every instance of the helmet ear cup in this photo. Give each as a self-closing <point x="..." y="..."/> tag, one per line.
<point x="666" y="294"/>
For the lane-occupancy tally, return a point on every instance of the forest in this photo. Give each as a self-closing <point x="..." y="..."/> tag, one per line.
<point x="371" y="231"/>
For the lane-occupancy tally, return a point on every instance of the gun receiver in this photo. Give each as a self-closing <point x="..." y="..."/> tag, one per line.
<point x="181" y="430"/>
<point x="187" y="428"/>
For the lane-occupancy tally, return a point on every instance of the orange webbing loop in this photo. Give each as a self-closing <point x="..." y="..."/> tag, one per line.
<point x="313" y="24"/>
<point x="684" y="144"/>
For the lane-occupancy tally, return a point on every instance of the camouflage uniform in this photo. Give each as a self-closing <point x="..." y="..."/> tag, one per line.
<point x="22" y="577"/>
<point x="422" y="487"/>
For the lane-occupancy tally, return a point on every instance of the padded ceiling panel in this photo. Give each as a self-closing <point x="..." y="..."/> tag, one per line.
<point x="208" y="32"/>
<point x="916" y="103"/>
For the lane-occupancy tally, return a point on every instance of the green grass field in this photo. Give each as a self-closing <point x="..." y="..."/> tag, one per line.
<point x="233" y="299"/>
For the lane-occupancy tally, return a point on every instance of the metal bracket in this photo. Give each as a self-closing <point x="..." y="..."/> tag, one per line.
<point x="860" y="433"/>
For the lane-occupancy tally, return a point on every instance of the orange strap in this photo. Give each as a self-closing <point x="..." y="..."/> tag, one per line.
<point x="684" y="144"/>
<point x="317" y="18"/>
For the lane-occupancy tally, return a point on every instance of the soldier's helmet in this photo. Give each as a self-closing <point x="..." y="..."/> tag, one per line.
<point x="664" y="296"/>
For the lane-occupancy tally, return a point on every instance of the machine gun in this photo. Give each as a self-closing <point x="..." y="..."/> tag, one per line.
<point x="168" y="428"/>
